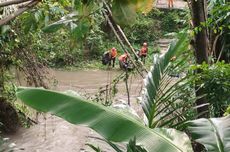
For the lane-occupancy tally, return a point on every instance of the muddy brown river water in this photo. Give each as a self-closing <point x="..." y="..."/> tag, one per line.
<point x="53" y="134"/>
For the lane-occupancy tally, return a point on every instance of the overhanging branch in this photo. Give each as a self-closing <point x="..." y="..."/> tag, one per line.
<point x="7" y="3"/>
<point x="18" y="12"/>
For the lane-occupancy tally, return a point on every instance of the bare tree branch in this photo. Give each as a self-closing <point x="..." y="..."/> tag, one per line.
<point x="18" y="12"/>
<point x="213" y="49"/>
<point x="7" y="3"/>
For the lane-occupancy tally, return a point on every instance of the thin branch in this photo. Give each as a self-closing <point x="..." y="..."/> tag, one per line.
<point x="126" y="84"/>
<point x="7" y="3"/>
<point x="18" y="12"/>
<point x="213" y="49"/>
<point x="220" y="54"/>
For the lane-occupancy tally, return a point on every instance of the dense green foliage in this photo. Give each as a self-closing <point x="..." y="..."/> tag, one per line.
<point x="218" y="23"/>
<point x="227" y="111"/>
<point x="99" y="38"/>
<point x="8" y="116"/>
<point x="215" y="79"/>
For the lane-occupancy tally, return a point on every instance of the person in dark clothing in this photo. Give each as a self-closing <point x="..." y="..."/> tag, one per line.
<point x="106" y="58"/>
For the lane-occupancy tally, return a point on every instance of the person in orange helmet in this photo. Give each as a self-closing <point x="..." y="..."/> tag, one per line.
<point x="113" y="55"/>
<point x="123" y="62"/>
<point x="143" y="52"/>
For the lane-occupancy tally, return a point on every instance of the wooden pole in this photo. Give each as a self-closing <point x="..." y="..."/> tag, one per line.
<point x="126" y="84"/>
<point x="18" y="12"/>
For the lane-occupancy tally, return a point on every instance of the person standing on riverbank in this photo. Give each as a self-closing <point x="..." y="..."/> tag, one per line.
<point x="143" y="52"/>
<point x="106" y="58"/>
<point x="113" y="55"/>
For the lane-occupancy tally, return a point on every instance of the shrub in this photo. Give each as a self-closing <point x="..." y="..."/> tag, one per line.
<point x="215" y="79"/>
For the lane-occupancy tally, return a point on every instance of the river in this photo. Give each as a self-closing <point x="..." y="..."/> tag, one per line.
<point x="53" y="134"/>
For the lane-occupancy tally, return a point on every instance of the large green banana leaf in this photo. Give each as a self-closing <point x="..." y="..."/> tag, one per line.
<point x="213" y="133"/>
<point x="112" y="125"/>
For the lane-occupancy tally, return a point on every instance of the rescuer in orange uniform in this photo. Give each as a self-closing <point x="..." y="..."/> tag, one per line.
<point x="123" y="62"/>
<point x="113" y="55"/>
<point x="143" y="52"/>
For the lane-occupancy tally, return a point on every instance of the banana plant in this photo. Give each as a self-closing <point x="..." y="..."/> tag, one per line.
<point x="112" y="125"/>
<point x="213" y="133"/>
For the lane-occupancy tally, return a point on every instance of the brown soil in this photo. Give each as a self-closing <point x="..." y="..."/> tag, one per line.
<point x="8" y="117"/>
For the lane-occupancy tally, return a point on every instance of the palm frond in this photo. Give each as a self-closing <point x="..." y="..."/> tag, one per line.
<point x="162" y="95"/>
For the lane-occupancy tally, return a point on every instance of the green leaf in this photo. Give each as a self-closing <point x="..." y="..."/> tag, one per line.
<point x="213" y="133"/>
<point x="5" y="28"/>
<point x="29" y="22"/>
<point x="112" y="125"/>
<point x="124" y="12"/>
<point x="80" y="31"/>
<point x="144" y="6"/>
<point x="96" y="149"/>
<point x="38" y="15"/>
<point x="53" y="27"/>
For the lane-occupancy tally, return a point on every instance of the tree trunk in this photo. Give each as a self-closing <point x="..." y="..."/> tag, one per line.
<point x="201" y="38"/>
<point x="201" y="47"/>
